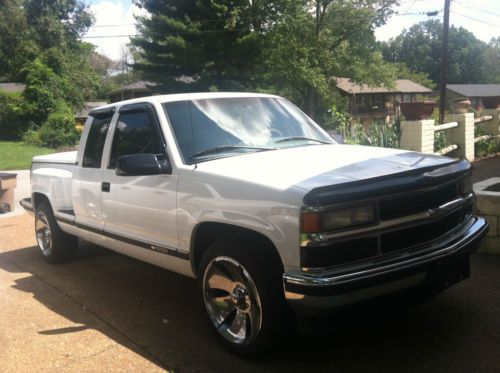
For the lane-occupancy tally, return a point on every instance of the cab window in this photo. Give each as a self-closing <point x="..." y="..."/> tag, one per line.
<point x="136" y="132"/>
<point x="95" y="141"/>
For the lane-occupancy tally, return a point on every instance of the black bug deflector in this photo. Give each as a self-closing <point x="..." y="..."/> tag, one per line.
<point x="378" y="177"/>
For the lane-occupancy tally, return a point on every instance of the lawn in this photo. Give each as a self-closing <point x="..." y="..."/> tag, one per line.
<point x="16" y="155"/>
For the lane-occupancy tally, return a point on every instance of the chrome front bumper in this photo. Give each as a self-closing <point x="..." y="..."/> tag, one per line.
<point x="329" y="290"/>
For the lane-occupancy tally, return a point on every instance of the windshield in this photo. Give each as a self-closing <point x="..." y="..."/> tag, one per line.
<point x="220" y="127"/>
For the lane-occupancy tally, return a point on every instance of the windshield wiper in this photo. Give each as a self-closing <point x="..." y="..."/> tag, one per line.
<point x="223" y="148"/>
<point x="294" y="138"/>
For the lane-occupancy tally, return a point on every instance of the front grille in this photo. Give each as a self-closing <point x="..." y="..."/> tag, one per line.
<point x="378" y="244"/>
<point x="339" y="252"/>
<point x="409" y="237"/>
<point x="417" y="202"/>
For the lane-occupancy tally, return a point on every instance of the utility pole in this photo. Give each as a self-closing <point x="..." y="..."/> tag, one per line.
<point x="444" y="60"/>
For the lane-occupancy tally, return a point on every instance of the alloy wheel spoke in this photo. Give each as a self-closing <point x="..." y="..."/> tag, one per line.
<point x="228" y="320"/>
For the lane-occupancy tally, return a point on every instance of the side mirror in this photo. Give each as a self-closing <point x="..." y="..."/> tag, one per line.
<point x="142" y="164"/>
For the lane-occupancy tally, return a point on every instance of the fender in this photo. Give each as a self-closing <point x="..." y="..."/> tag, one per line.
<point x="51" y="183"/>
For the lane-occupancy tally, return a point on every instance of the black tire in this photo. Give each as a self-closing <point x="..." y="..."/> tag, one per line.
<point x="55" y="245"/>
<point x="263" y="267"/>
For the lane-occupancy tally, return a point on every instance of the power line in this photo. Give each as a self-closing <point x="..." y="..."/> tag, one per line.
<point x="406" y="13"/>
<point x="476" y="19"/>
<point x="429" y="13"/>
<point x="109" y="36"/>
<point x="411" y="6"/>
<point x="474" y="5"/>
<point x="478" y="9"/>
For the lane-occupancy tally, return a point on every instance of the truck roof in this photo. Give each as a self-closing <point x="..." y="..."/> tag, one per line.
<point x="187" y="96"/>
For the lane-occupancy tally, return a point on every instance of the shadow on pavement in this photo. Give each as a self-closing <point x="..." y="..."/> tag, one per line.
<point x="157" y="313"/>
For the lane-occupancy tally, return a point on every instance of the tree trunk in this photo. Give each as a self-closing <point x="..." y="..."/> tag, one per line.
<point x="310" y="103"/>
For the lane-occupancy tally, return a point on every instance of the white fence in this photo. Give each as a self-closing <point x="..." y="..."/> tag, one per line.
<point x="420" y="135"/>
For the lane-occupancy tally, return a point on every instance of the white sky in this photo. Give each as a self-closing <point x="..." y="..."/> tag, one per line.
<point x="481" y="17"/>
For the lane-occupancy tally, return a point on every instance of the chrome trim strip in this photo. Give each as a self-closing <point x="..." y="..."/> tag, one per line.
<point x="476" y="228"/>
<point x="132" y="241"/>
<point x="423" y="217"/>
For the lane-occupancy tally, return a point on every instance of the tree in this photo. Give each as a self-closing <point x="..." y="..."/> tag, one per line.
<point x="403" y="72"/>
<point x="307" y="50"/>
<point x="491" y="69"/>
<point x="16" y="45"/>
<point x="419" y="48"/>
<point x="282" y="46"/>
<point x="215" y="43"/>
<point x="40" y="45"/>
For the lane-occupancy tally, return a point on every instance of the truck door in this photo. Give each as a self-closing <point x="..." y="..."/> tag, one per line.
<point x="86" y="186"/>
<point x="139" y="209"/>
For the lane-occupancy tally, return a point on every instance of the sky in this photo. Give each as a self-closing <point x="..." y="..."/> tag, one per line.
<point x="116" y="17"/>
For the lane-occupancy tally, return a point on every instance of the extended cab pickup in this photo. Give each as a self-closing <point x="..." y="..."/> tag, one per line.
<point x="249" y="196"/>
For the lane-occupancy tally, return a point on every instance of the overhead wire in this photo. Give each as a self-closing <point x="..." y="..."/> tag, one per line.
<point x="221" y="30"/>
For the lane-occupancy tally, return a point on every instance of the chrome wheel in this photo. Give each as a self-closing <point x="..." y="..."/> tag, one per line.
<point x="43" y="233"/>
<point x="232" y="300"/>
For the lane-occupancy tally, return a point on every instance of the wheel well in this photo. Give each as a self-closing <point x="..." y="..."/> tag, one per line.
<point x="207" y="233"/>
<point x="39" y="198"/>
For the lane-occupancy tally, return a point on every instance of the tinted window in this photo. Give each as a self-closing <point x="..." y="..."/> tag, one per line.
<point x="135" y="133"/>
<point x="239" y="124"/>
<point x="95" y="141"/>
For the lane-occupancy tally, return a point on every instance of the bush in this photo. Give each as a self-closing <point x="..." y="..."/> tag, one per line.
<point x="385" y="135"/>
<point x="12" y="123"/>
<point x="59" y="129"/>
<point x="44" y="92"/>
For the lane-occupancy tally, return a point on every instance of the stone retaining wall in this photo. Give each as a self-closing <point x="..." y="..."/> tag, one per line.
<point x="488" y="206"/>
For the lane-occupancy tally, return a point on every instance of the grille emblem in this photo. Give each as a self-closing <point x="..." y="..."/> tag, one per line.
<point x="436" y="214"/>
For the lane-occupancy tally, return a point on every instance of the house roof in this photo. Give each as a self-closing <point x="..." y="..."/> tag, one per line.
<point x="141" y="86"/>
<point x="402" y="86"/>
<point x="12" y="87"/>
<point x="475" y="90"/>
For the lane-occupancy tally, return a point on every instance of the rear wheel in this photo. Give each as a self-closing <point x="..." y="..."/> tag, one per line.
<point x="54" y="244"/>
<point x="243" y="297"/>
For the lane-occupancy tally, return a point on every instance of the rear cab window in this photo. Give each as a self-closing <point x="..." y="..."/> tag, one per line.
<point x="94" y="145"/>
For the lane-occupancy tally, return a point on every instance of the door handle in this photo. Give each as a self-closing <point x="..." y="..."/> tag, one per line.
<point x="105" y="187"/>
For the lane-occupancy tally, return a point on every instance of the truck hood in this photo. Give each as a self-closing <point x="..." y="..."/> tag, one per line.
<point x="314" y="166"/>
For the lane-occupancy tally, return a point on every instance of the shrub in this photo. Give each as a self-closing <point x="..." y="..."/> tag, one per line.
<point x="58" y="130"/>
<point x="12" y="123"/>
<point x="43" y="93"/>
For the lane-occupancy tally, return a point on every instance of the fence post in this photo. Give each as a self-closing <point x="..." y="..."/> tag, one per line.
<point x="463" y="135"/>
<point x="492" y="126"/>
<point x="418" y="135"/>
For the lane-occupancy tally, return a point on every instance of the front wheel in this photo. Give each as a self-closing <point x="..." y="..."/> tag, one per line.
<point x="243" y="298"/>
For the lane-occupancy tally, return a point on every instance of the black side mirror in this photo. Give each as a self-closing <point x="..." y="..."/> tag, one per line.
<point x="142" y="164"/>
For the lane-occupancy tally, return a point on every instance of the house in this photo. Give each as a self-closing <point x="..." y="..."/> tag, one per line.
<point x="476" y="92"/>
<point x="81" y="115"/>
<point x="369" y="104"/>
<point x="134" y="90"/>
<point x="12" y="87"/>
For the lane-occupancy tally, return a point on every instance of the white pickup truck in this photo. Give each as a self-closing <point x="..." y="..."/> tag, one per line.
<point x="249" y="196"/>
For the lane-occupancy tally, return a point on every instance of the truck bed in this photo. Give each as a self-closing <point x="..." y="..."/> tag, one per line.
<point x="51" y="175"/>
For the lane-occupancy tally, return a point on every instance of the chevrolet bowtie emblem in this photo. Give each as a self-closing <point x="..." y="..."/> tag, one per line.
<point x="435" y="214"/>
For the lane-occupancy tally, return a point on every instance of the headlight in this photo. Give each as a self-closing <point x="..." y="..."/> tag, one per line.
<point x="465" y="185"/>
<point x="327" y="221"/>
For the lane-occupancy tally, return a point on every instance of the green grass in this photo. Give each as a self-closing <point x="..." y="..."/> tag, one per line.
<point x="16" y="155"/>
